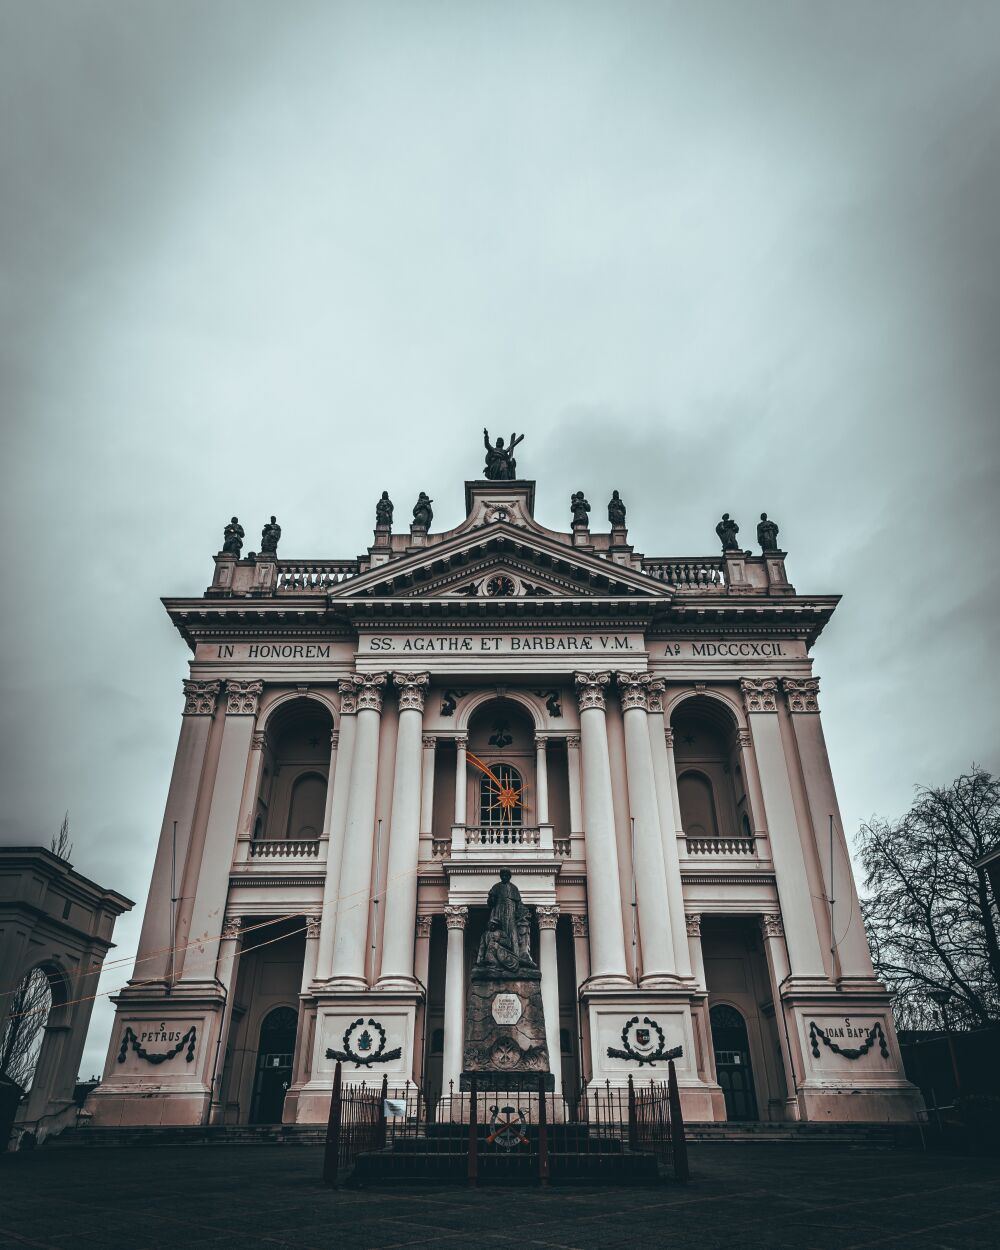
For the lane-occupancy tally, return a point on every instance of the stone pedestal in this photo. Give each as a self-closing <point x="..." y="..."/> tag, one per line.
<point x="504" y="1029"/>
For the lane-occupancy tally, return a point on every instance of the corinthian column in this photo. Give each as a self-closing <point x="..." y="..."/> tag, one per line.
<point x="341" y="759"/>
<point x="153" y="960"/>
<point x="851" y="952"/>
<point x="359" y="835"/>
<point x="658" y="961"/>
<point x="787" y="851"/>
<point x="454" y="997"/>
<point x="604" y="907"/>
<point x="548" y="918"/>
<point x="404" y="836"/>
<point x="661" y="746"/>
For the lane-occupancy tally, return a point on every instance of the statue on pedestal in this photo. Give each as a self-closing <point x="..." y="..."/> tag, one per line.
<point x="616" y="510"/>
<point x="727" y="529"/>
<point x="269" y="536"/>
<point x="423" y="513"/>
<point x="383" y="512"/>
<point x="500" y="463"/>
<point x="767" y="533"/>
<point x="232" y="538"/>
<point x="505" y="945"/>
<point x="580" y="507"/>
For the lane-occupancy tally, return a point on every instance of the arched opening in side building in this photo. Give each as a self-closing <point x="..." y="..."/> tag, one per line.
<point x="711" y="786"/>
<point x="274" y="1065"/>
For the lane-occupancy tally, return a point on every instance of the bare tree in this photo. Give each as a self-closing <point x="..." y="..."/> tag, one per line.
<point x="60" y="844"/>
<point x="24" y="1031"/>
<point x="931" y="920"/>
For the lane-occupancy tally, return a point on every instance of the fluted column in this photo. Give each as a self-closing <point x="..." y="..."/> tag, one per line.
<point x="607" y="938"/>
<point x="548" y="919"/>
<point x="461" y="783"/>
<point x="851" y="952"/>
<point x="404" y="836"/>
<point x="359" y="834"/>
<point x="575" y="785"/>
<point x="153" y="956"/>
<point x="338" y="794"/>
<point x="429" y="746"/>
<point x="787" y="851"/>
<point x="772" y="933"/>
<point x="658" y="962"/>
<point x="661" y="746"/>
<point x="212" y="890"/>
<point x="230" y="947"/>
<point x="541" y="780"/>
<point x="454" y="997"/>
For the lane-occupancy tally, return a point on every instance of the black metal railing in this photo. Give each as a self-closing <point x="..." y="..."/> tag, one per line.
<point x="522" y="1133"/>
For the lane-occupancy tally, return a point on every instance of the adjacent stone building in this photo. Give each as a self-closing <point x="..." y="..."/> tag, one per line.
<point x="366" y="742"/>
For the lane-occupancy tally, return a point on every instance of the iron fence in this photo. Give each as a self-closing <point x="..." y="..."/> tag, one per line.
<point x="518" y="1134"/>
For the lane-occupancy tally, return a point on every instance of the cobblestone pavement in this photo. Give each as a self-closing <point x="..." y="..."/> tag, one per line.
<point x="810" y="1197"/>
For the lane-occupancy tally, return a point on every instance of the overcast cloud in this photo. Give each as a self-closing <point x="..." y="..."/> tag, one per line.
<point x="277" y="258"/>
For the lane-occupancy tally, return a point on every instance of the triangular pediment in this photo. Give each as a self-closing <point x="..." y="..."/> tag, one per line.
<point x="501" y="562"/>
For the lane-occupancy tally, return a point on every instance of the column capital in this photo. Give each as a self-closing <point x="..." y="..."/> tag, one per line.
<point x="744" y="739"/>
<point x="348" y="696"/>
<point x="580" y="927"/>
<point x="654" y="695"/>
<point x="590" y="689"/>
<point x="771" y="925"/>
<point x="693" y="921"/>
<point x="461" y="740"/>
<point x="428" y="742"/>
<point x="412" y="688"/>
<point x="759" y="694"/>
<point x="232" y="927"/>
<point x="243" y="697"/>
<point x="801" y="693"/>
<point x="455" y="917"/>
<point x="542" y="740"/>
<point x="334" y="739"/>
<point x="668" y="737"/>
<point x="370" y="688"/>
<point x="633" y="690"/>
<point x="200" y="697"/>
<point x="573" y="742"/>
<point x="547" y="916"/>
<point x="313" y="926"/>
<point x="257" y="740"/>
<point x="423" y="926"/>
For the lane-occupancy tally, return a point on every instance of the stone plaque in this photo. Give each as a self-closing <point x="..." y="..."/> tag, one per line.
<point x="507" y="1009"/>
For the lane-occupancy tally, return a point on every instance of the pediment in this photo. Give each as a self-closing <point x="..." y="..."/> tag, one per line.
<point x="506" y="562"/>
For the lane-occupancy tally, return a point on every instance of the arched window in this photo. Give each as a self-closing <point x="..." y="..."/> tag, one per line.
<point x="697" y="806"/>
<point x="305" y="813"/>
<point x="501" y="796"/>
<point x="24" y="1033"/>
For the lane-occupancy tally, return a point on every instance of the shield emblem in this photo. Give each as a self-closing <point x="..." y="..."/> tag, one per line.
<point x="642" y="1036"/>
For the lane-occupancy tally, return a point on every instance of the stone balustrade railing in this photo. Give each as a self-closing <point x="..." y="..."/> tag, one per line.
<point x="699" y="573"/>
<point x="285" y="848"/>
<point x="720" y="846"/>
<point x="301" y="577"/>
<point x="502" y="835"/>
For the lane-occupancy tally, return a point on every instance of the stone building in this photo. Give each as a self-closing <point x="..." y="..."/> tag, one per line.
<point x="366" y="742"/>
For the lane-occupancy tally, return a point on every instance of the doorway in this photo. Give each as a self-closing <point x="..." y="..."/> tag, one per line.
<point x="274" y="1065"/>
<point x="732" y="1062"/>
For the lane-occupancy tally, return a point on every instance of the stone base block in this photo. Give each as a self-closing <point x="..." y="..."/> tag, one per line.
<point x="505" y="1028"/>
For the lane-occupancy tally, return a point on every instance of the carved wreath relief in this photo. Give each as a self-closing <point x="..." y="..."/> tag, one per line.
<point x="360" y="1047"/>
<point x="640" y="1045"/>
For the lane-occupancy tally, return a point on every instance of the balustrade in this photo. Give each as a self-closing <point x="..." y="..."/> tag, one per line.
<point x="720" y="846"/>
<point x="698" y="573"/>
<point x="285" y="848"/>
<point x="313" y="576"/>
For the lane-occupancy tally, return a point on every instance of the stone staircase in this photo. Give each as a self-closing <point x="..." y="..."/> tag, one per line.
<point x="876" y="1135"/>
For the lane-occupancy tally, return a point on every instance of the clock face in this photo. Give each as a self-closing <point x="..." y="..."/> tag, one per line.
<point x="501" y="586"/>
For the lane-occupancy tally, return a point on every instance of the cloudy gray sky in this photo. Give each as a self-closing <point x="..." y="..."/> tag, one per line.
<point x="275" y="258"/>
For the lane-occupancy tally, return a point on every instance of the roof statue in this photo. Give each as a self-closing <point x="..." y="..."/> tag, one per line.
<point x="727" y="529"/>
<point x="232" y="537"/>
<point x="269" y="536"/>
<point x="616" y="510"/>
<point x="500" y="463"/>
<point x="423" y="513"/>
<point x="580" y="507"/>
<point x="383" y="511"/>
<point x="767" y="533"/>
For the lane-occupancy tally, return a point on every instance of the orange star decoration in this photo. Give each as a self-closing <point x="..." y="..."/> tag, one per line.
<point x="508" y="796"/>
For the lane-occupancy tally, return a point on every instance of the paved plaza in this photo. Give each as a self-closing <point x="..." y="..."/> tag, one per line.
<point x="746" y="1196"/>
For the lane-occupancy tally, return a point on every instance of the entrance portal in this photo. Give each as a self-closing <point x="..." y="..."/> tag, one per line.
<point x="274" y="1065"/>
<point x="732" y="1062"/>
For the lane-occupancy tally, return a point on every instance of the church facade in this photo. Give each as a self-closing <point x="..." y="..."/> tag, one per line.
<point x="365" y="743"/>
